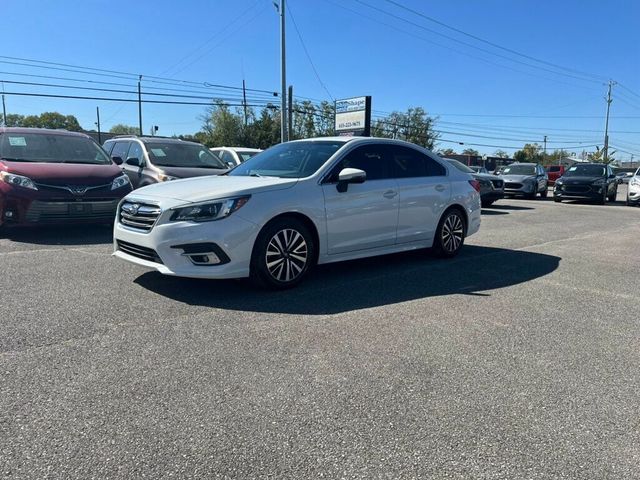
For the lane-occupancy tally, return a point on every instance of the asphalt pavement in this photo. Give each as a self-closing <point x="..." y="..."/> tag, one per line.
<point x="519" y="359"/>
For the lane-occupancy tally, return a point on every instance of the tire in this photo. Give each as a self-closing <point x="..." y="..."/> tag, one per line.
<point x="284" y="253"/>
<point x="603" y="200"/>
<point x="544" y="192"/>
<point x="532" y="195"/>
<point x="486" y="203"/>
<point x="450" y="234"/>
<point x="612" y="197"/>
<point x="557" y="200"/>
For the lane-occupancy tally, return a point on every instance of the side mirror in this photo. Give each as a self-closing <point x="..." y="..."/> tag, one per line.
<point x="231" y="164"/>
<point x="350" y="175"/>
<point x="117" y="160"/>
<point x="134" y="162"/>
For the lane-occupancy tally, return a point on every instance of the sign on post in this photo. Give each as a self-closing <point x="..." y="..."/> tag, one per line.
<point x="353" y="116"/>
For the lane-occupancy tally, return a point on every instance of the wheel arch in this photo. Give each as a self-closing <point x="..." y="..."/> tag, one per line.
<point x="307" y="223"/>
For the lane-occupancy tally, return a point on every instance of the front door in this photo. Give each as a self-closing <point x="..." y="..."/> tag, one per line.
<point x="366" y="215"/>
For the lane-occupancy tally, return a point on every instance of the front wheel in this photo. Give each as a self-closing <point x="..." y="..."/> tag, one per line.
<point x="545" y="192"/>
<point x="613" y="196"/>
<point x="283" y="254"/>
<point x="450" y="234"/>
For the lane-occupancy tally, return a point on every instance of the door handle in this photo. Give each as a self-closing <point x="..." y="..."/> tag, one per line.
<point x="440" y="188"/>
<point x="389" y="194"/>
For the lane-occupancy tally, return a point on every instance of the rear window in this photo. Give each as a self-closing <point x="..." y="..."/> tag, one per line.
<point x="51" y="148"/>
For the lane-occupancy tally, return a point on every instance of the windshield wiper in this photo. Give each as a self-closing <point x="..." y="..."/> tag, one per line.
<point x="255" y="174"/>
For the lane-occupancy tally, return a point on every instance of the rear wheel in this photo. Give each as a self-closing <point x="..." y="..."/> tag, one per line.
<point x="450" y="234"/>
<point x="283" y="254"/>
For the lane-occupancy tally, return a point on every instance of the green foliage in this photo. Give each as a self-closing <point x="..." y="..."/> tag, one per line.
<point x="500" y="154"/>
<point x="414" y="126"/>
<point x="445" y="152"/>
<point x="470" y="151"/>
<point x="529" y="153"/>
<point x="44" y="120"/>
<point x="121" y="129"/>
<point x="598" y="156"/>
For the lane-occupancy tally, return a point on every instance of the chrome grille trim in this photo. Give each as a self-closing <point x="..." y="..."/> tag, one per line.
<point x="74" y="189"/>
<point x="139" y="216"/>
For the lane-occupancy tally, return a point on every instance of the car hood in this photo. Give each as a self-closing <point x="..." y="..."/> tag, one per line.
<point x="186" y="172"/>
<point x="518" y="178"/>
<point x="200" y="189"/>
<point x="575" y="180"/>
<point x="63" y="173"/>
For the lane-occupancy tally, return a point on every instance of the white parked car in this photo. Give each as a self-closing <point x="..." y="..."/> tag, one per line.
<point x="298" y="204"/>
<point x="633" y="190"/>
<point x="233" y="156"/>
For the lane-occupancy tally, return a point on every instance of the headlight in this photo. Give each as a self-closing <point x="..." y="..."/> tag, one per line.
<point x="166" y="178"/>
<point x="120" y="182"/>
<point x="17" y="180"/>
<point x="208" y="211"/>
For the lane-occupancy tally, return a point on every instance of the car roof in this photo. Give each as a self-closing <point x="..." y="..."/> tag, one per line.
<point x="152" y="139"/>
<point x="43" y="131"/>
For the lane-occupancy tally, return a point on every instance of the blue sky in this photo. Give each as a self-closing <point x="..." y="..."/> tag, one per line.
<point x="358" y="47"/>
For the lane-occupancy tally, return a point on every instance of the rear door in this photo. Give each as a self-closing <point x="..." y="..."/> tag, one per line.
<point x="424" y="190"/>
<point x="366" y="215"/>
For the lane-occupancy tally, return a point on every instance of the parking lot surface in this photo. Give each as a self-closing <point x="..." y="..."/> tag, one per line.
<point x="519" y="359"/>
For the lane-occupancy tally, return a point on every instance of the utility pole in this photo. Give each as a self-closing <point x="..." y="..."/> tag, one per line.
<point x="98" y="124"/>
<point x="283" y="75"/>
<point x="140" y="105"/>
<point x="244" y="101"/>
<point x="605" y="150"/>
<point x="544" y="155"/>
<point x="4" y="112"/>
<point x="290" y="113"/>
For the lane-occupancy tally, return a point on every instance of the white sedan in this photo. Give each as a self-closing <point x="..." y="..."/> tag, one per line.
<point x="633" y="191"/>
<point x="298" y="204"/>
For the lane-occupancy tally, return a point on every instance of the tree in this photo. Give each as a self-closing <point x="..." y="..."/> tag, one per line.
<point x="121" y="129"/>
<point x="470" y="151"/>
<point x="445" y="152"/>
<point x="500" y="154"/>
<point x="529" y="153"/>
<point x="223" y="127"/>
<point x="45" y="120"/>
<point x="598" y="156"/>
<point x="414" y="126"/>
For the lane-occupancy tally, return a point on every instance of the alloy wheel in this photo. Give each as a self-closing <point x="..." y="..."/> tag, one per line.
<point x="452" y="233"/>
<point x="286" y="255"/>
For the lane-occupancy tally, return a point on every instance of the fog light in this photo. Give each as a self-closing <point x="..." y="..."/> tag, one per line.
<point x="208" y="258"/>
<point x="9" y="214"/>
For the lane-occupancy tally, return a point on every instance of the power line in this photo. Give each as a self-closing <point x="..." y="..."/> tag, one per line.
<point x="304" y="47"/>
<point x="599" y="78"/>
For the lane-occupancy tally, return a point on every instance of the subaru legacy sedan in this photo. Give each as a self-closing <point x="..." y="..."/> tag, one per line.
<point x="55" y="176"/>
<point x="298" y="204"/>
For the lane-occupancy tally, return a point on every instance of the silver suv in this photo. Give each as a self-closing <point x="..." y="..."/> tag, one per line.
<point x="148" y="160"/>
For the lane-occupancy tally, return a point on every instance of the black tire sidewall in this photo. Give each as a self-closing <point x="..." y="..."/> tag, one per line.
<point x="259" y="273"/>
<point x="438" y="246"/>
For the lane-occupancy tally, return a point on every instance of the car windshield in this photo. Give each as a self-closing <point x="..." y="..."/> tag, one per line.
<point x="519" y="170"/>
<point x="51" y="148"/>
<point x="585" y="171"/>
<point x="460" y="166"/>
<point x="289" y="160"/>
<point x="187" y="155"/>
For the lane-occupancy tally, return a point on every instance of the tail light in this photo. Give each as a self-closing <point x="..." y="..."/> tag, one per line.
<point x="475" y="184"/>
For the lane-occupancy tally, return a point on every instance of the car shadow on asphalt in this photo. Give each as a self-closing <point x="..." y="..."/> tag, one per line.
<point x="502" y="206"/>
<point x="60" y="234"/>
<point x="486" y="211"/>
<point x="372" y="282"/>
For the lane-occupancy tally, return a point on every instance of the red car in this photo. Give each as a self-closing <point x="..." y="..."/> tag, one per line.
<point x="554" y="172"/>
<point x="55" y="176"/>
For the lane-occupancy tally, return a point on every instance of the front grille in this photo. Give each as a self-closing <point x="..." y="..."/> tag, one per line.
<point x="497" y="183"/>
<point x="144" y="253"/>
<point x="54" y="210"/>
<point x="138" y="215"/>
<point x="512" y="185"/>
<point x="576" y="188"/>
<point x="74" y="189"/>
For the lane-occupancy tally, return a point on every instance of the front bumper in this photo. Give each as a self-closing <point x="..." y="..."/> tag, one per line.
<point x="516" y="189"/>
<point x="20" y="208"/>
<point x="634" y="194"/>
<point x="579" y="192"/>
<point x="163" y="247"/>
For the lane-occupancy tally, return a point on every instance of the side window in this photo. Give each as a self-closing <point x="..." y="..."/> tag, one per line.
<point x="107" y="147"/>
<point x="135" y="152"/>
<point x="409" y="163"/>
<point x="227" y="157"/>
<point x="373" y="159"/>
<point x="120" y="150"/>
